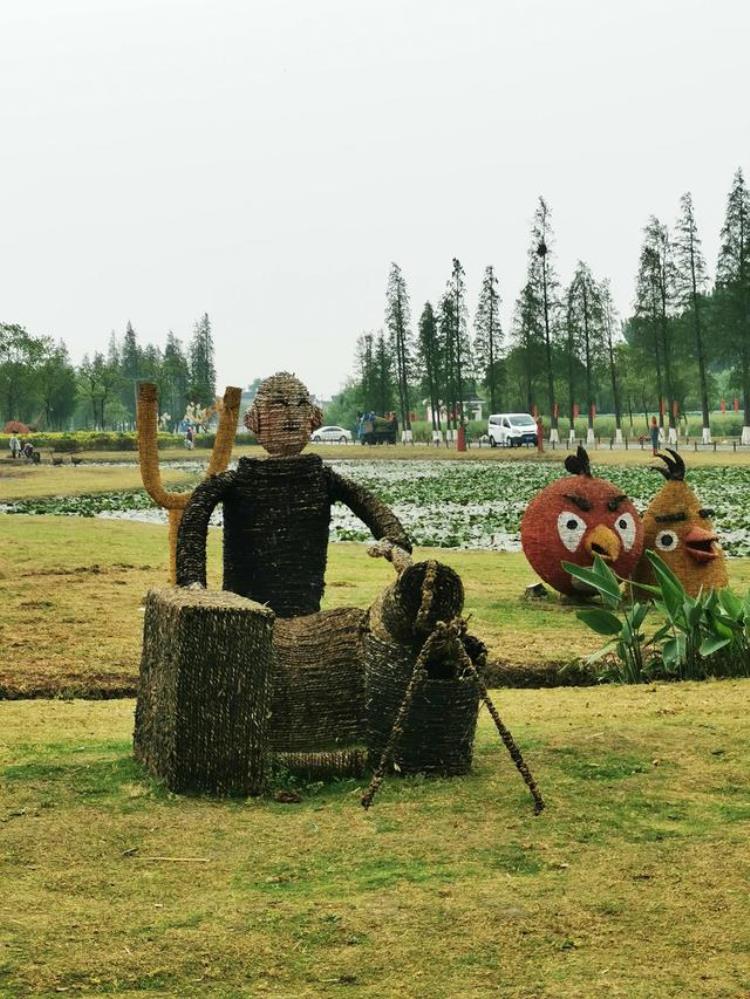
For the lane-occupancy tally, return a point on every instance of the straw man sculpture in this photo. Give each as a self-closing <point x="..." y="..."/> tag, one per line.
<point x="226" y="676"/>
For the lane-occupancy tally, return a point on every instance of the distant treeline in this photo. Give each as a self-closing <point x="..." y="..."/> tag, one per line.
<point x="39" y="386"/>
<point x="685" y="345"/>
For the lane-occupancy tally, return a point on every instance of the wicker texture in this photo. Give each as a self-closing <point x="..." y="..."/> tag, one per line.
<point x="350" y="762"/>
<point x="283" y="415"/>
<point x="276" y="517"/>
<point x="408" y="610"/>
<point x="148" y="452"/>
<point x="204" y="691"/>
<point x="447" y="645"/>
<point x="336" y="678"/>
<point x="318" y="687"/>
<point x="439" y="728"/>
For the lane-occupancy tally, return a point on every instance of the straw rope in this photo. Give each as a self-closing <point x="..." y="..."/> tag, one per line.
<point x="444" y="637"/>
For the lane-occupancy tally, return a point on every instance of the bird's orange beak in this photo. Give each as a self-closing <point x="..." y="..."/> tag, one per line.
<point x="700" y="544"/>
<point x="603" y="542"/>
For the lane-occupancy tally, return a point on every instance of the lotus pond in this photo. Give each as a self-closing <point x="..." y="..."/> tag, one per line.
<point x="446" y="504"/>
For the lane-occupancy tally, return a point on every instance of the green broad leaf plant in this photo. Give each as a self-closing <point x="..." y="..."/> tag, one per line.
<point x="699" y="636"/>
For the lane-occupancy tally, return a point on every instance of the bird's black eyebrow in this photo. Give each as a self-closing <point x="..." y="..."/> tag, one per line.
<point x="670" y="518"/>
<point x="706" y="512"/>
<point x="580" y="501"/>
<point x="615" y="502"/>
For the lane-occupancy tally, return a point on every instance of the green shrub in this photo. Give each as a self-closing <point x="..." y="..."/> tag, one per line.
<point x="108" y="440"/>
<point x="707" y="635"/>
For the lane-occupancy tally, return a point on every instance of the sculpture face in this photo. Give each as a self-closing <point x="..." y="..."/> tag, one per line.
<point x="679" y="529"/>
<point x="575" y="518"/>
<point x="282" y="416"/>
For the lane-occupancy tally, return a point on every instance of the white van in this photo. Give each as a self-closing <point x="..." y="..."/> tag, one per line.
<point x="511" y="429"/>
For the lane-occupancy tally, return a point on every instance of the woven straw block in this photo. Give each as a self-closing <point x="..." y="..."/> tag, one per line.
<point x="318" y="685"/>
<point x="438" y="734"/>
<point x="204" y="691"/>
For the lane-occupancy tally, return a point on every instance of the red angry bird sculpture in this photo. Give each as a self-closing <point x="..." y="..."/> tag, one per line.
<point x="573" y="519"/>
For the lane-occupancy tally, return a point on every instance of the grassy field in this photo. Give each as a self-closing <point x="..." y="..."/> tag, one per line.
<point x="633" y="882"/>
<point x="72" y="590"/>
<point x="19" y="482"/>
<point x="602" y="455"/>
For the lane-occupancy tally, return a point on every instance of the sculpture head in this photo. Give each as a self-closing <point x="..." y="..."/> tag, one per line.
<point x="678" y="527"/>
<point x="573" y="519"/>
<point x="282" y="415"/>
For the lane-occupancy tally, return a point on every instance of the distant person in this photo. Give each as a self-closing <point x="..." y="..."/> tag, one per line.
<point x="15" y="447"/>
<point x="654" y="434"/>
<point x="189" y="438"/>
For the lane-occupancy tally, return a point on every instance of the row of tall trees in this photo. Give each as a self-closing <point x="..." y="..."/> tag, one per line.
<point x="40" y="386"/>
<point x="568" y="351"/>
<point x="396" y="367"/>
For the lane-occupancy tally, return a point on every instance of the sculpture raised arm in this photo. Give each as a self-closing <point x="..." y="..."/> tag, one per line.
<point x="148" y="425"/>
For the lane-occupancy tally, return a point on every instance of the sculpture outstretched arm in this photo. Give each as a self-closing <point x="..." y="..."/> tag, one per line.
<point x="191" y="539"/>
<point x="371" y="511"/>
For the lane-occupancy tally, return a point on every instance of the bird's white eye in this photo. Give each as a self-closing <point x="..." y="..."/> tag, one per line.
<point x="571" y="529"/>
<point x="625" y="527"/>
<point x="667" y="541"/>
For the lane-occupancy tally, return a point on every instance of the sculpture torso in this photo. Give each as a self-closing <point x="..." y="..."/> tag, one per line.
<point x="276" y="518"/>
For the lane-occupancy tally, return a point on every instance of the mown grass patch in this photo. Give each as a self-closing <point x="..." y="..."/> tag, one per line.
<point x="72" y="592"/>
<point x="22" y="482"/>
<point x="633" y="882"/>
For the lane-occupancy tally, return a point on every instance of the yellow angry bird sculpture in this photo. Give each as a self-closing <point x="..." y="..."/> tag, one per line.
<point x="679" y="529"/>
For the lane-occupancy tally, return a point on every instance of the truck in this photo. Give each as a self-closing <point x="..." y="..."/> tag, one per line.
<point x="378" y="430"/>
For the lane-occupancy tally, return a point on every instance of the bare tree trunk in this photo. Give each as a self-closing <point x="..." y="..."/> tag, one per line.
<point x="615" y="386"/>
<point x="548" y="354"/>
<point x="699" y="350"/>
<point x="589" y="390"/>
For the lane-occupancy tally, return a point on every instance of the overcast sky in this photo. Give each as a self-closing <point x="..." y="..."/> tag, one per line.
<point x="265" y="162"/>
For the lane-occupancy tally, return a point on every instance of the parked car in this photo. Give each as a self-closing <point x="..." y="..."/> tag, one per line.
<point x="331" y="435"/>
<point x="511" y="429"/>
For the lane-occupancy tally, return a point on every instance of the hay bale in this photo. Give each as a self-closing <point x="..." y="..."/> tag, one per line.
<point x="204" y="691"/>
